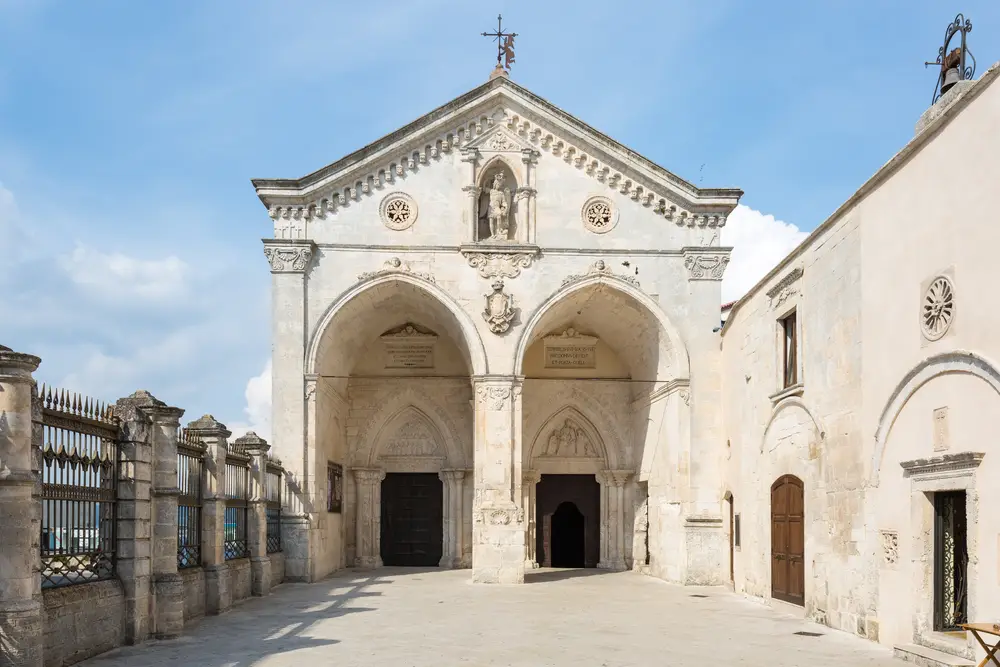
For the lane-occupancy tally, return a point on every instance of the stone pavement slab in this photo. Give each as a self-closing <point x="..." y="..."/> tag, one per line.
<point x="412" y="617"/>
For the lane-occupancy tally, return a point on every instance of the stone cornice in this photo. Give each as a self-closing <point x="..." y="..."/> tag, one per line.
<point x="289" y="255"/>
<point x="785" y="283"/>
<point x="524" y="116"/>
<point x="941" y="465"/>
<point x="706" y="263"/>
<point x="668" y="388"/>
<point x="17" y="366"/>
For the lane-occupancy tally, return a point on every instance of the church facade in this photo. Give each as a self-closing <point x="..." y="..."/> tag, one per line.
<point x="497" y="346"/>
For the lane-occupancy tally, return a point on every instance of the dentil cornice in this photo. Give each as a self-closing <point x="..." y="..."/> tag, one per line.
<point x="289" y="256"/>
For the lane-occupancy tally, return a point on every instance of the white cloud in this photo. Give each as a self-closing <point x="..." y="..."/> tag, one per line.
<point x="759" y="242"/>
<point x="116" y="275"/>
<point x="258" y="407"/>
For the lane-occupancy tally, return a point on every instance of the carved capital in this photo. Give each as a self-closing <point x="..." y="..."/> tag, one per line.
<point x="530" y="477"/>
<point x="705" y="264"/>
<point x="616" y="478"/>
<point x="288" y="258"/>
<point x="494" y="397"/>
<point x="452" y="475"/>
<point x="368" y="476"/>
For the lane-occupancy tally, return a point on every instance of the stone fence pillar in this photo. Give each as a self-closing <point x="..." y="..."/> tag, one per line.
<point x="20" y="514"/>
<point x="134" y="529"/>
<point x="260" y="565"/>
<point x="213" y="434"/>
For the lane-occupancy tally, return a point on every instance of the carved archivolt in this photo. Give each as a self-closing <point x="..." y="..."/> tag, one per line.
<point x="599" y="268"/>
<point x="395" y="265"/>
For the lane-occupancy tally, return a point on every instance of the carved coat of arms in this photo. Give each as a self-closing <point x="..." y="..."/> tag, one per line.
<point x="499" y="311"/>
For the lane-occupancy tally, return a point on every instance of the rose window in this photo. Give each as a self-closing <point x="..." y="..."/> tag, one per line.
<point x="398" y="211"/>
<point x="938" y="309"/>
<point x="599" y="215"/>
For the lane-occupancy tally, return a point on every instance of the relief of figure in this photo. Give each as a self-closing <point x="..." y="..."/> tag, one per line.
<point x="568" y="440"/>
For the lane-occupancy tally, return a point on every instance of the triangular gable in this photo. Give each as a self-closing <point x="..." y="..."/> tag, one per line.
<point x="507" y="115"/>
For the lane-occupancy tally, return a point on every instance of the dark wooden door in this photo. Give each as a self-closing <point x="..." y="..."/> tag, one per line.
<point x="788" y="573"/>
<point x="411" y="519"/>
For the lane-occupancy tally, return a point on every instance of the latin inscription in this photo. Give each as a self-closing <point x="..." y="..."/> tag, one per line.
<point x="412" y="355"/>
<point x="570" y="356"/>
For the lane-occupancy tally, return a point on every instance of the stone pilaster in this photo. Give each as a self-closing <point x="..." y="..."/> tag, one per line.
<point x="498" y="518"/>
<point x="21" y="630"/>
<point x="526" y="197"/>
<point x="471" y="157"/>
<point x="168" y="587"/>
<point x="451" y="553"/>
<point x="368" y="548"/>
<point x="260" y="565"/>
<point x="134" y="530"/>
<point x="290" y="261"/>
<point x="529" y="488"/>
<point x="218" y="590"/>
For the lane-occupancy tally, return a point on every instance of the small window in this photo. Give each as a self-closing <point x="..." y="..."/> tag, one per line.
<point x="736" y="530"/>
<point x="334" y="487"/>
<point x="790" y="350"/>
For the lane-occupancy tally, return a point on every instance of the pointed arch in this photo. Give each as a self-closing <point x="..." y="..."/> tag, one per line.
<point x="419" y="426"/>
<point x="948" y="363"/>
<point x="572" y="414"/>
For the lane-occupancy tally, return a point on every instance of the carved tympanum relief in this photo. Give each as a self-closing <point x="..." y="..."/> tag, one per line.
<point x="413" y="437"/>
<point x="599" y="214"/>
<point x="938" y="309"/>
<point x="398" y="211"/>
<point x="569" y="440"/>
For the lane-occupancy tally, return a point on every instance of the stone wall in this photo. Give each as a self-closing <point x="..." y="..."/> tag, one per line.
<point x="277" y="568"/>
<point x="82" y="621"/>
<point x="194" y="593"/>
<point x="240" y="579"/>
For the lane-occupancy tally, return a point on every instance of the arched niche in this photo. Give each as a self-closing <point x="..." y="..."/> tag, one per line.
<point x="568" y="443"/>
<point x="487" y="176"/>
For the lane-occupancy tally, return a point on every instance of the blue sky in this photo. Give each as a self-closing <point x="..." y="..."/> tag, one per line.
<point x="129" y="131"/>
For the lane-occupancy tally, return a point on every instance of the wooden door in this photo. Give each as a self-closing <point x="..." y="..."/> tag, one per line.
<point x="411" y="529"/>
<point x="788" y="574"/>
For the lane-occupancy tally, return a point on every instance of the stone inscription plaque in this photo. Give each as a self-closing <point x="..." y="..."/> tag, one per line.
<point x="412" y="355"/>
<point x="557" y="356"/>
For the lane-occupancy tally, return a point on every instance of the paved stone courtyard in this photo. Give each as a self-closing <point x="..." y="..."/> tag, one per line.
<point x="405" y="617"/>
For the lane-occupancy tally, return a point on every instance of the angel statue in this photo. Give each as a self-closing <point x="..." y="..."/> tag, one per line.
<point x="499" y="209"/>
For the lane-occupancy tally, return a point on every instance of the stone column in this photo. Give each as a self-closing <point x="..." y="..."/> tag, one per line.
<point x="367" y="545"/>
<point x="471" y="157"/>
<point x="602" y="479"/>
<point x="21" y="633"/>
<point x="290" y="260"/>
<point x="529" y="482"/>
<point x="134" y="531"/>
<point x="218" y="591"/>
<point x="256" y="447"/>
<point x="526" y="196"/>
<point x="616" y="518"/>
<point x="498" y="518"/>
<point x="168" y="587"/>
<point x="451" y="554"/>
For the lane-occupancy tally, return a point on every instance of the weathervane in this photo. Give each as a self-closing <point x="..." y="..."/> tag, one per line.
<point x="505" y="45"/>
<point x="953" y="67"/>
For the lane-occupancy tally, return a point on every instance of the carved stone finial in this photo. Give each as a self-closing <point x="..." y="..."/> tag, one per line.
<point x="251" y="443"/>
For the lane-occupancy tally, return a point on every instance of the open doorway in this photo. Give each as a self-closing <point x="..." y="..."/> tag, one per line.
<point x="567" y="536"/>
<point x="951" y="561"/>
<point x="568" y="509"/>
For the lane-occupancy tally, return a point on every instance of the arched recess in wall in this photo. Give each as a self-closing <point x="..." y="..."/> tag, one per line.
<point x="782" y="406"/>
<point x="671" y="357"/>
<point x="351" y="322"/>
<point x="948" y="363"/>
<point x="403" y="401"/>
<point x="540" y="447"/>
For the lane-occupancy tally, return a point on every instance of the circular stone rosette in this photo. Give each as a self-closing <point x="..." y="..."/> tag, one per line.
<point x="937" y="310"/>
<point x="599" y="214"/>
<point x="398" y="211"/>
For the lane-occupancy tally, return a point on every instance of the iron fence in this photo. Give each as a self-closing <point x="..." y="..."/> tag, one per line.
<point x="237" y="502"/>
<point x="190" y="459"/>
<point x="272" y="496"/>
<point x="81" y="461"/>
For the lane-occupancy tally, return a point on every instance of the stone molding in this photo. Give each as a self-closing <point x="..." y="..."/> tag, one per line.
<point x="941" y="466"/>
<point x="288" y="256"/>
<point x="601" y="269"/>
<point x="469" y="135"/>
<point x="705" y="264"/>
<point x="785" y="288"/>
<point x="667" y="388"/>
<point x="503" y="261"/>
<point x="394" y="265"/>
<point x="17" y="366"/>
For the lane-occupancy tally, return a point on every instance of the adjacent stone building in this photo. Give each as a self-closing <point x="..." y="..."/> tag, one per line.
<point x="496" y="345"/>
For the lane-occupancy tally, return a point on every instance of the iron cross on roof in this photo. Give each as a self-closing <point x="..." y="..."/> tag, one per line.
<point x="505" y="44"/>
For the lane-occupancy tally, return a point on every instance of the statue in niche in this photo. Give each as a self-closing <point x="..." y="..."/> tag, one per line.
<point x="495" y="209"/>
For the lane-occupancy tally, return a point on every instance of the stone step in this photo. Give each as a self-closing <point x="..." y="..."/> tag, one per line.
<point x="928" y="657"/>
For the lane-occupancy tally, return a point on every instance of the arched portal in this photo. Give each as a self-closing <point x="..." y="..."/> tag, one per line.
<point x="600" y="361"/>
<point x="391" y="360"/>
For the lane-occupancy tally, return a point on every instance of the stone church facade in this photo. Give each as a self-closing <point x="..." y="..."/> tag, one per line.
<point x="496" y="346"/>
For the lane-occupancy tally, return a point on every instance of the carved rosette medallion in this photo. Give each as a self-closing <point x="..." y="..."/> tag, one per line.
<point x="398" y="211"/>
<point x="706" y="266"/>
<point x="599" y="215"/>
<point x="288" y="259"/>
<point x="500" y="312"/>
<point x="938" y="309"/>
